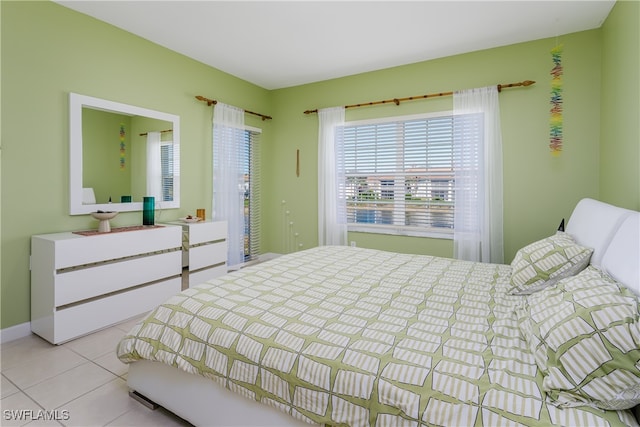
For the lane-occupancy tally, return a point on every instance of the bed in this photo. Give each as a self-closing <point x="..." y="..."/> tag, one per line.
<point x="359" y="337"/>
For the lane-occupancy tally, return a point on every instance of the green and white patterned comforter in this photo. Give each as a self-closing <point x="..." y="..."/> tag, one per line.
<point x="351" y="336"/>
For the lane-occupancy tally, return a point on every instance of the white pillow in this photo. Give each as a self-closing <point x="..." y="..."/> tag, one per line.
<point x="542" y="263"/>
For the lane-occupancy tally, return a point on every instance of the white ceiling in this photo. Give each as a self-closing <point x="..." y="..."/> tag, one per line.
<point x="276" y="44"/>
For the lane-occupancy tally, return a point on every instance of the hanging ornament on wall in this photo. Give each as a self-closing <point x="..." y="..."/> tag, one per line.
<point x="122" y="146"/>
<point x="555" y="130"/>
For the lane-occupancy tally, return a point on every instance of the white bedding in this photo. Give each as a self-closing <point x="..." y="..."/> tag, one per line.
<point x="460" y="313"/>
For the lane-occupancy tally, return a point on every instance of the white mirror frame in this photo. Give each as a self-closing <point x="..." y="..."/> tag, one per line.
<point x="76" y="103"/>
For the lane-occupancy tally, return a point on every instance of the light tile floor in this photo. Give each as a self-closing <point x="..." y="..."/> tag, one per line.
<point x="83" y="380"/>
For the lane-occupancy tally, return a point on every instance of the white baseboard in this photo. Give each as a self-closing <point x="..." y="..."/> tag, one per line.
<point x="15" y="332"/>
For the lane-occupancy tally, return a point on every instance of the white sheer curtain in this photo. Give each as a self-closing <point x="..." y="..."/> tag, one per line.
<point x="477" y="141"/>
<point x="332" y="223"/>
<point x="228" y="176"/>
<point x="154" y="166"/>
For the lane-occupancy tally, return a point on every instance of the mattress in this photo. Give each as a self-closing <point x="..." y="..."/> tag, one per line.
<point x="359" y="337"/>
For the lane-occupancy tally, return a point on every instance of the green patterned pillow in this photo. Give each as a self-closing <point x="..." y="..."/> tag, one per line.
<point x="546" y="261"/>
<point x="585" y="335"/>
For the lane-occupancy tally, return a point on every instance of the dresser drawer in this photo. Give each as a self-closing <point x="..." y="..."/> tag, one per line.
<point x="201" y="276"/>
<point x="207" y="255"/>
<point x="207" y="232"/>
<point x="90" y="249"/>
<point x="81" y="319"/>
<point x="85" y="283"/>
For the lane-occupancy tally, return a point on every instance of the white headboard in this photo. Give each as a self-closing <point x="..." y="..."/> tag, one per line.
<point x="614" y="235"/>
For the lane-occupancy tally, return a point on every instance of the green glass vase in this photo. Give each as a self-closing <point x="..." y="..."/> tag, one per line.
<point x="148" y="210"/>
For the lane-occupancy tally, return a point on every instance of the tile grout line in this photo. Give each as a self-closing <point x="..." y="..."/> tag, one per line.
<point x="24" y="390"/>
<point x="86" y="393"/>
<point x="26" y="393"/>
<point x="116" y="377"/>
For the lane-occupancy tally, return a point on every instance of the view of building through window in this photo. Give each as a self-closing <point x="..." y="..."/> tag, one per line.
<point x="400" y="173"/>
<point x="251" y="187"/>
<point x="166" y="159"/>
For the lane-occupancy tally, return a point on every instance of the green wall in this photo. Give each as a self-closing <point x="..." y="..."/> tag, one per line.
<point x="49" y="51"/>
<point x="101" y="154"/>
<point x="620" y="121"/>
<point x="539" y="189"/>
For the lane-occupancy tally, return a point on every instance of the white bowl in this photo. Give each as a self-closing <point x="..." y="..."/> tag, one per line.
<point x="191" y="220"/>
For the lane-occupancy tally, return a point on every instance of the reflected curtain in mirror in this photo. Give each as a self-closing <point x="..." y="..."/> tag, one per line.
<point x="154" y="166"/>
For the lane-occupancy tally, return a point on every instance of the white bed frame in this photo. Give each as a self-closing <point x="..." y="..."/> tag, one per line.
<point x="613" y="232"/>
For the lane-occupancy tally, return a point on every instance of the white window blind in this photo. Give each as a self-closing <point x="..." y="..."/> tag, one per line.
<point x="399" y="175"/>
<point x="251" y="166"/>
<point x="167" y="163"/>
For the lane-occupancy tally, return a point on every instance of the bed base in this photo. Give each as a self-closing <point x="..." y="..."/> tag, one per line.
<point x="143" y="400"/>
<point x="199" y="400"/>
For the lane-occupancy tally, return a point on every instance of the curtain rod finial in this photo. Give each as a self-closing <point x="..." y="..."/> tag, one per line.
<point x="209" y="102"/>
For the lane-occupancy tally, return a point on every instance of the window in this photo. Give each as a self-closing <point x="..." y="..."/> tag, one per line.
<point x="398" y="175"/>
<point x="166" y="170"/>
<point x="251" y="186"/>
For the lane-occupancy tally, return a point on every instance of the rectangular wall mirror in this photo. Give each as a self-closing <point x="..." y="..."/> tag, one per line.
<point x="120" y="153"/>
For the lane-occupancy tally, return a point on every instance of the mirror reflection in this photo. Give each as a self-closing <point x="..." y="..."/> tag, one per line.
<point x="114" y="160"/>
<point x="121" y="153"/>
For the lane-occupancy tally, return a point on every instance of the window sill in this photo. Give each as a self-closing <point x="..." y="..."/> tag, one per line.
<point x="434" y="233"/>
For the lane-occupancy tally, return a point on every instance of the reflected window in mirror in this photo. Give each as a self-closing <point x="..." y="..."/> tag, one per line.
<point x="161" y="166"/>
<point x="167" y="163"/>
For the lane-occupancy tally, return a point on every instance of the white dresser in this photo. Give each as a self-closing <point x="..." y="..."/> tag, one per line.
<point x="204" y="250"/>
<point x="80" y="284"/>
